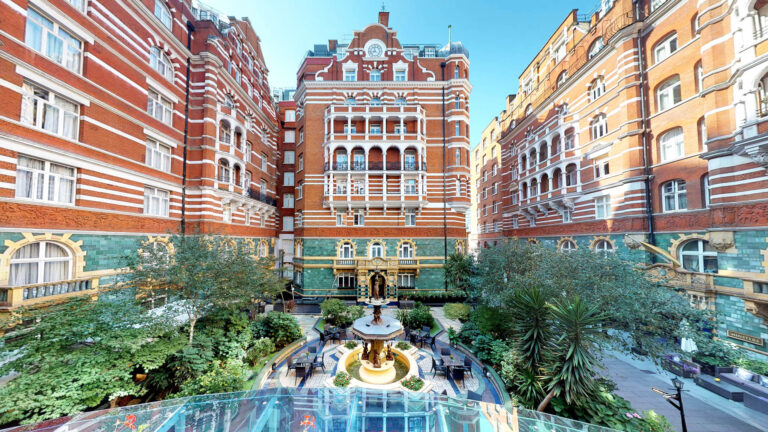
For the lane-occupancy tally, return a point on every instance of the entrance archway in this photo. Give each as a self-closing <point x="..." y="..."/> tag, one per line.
<point x="378" y="286"/>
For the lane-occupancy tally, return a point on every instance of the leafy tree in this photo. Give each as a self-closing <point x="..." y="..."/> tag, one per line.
<point x="79" y="354"/>
<point x="459" y="270"/>
<point x="336" y="312"/>
<point x="224" y="377"/>
<point x="281" y="327"/>
<point x="203" y="272"/>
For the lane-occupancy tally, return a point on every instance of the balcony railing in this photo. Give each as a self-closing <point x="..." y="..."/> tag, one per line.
<point x="407" y="262"/>
<point x="345" y="262"/>
<point x="375" y="166"/>
<point x="260" y="196"/>
<point x="12" y="296"/>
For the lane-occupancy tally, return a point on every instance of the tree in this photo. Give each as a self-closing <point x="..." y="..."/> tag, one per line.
<point x="532" y="321"/>
<point x="459" y="270"/>
<point x="574" y="363"/>
<point x="336" y="312"/>
<point x="203" y="272"/>
<point x="79" y="354"/>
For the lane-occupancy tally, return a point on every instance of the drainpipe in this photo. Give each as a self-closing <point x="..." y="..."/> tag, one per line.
<point x="644" y="121"/>
<point x="190" y="30"/>
<point x="445" y="205"/>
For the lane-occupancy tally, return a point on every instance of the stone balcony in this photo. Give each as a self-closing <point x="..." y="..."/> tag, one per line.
<point x="12" y="297"/>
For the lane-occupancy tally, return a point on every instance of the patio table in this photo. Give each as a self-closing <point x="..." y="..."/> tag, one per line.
<point x="451" y="363"/>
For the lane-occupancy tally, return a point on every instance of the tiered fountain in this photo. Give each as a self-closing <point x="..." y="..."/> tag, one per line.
<point x="381" y="364"/>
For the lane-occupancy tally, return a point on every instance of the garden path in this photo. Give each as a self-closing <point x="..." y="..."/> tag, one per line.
<point x="704" y="411"/>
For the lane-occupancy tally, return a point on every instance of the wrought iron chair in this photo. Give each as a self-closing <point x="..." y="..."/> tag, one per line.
<point x="468" y="365"/>
<point x="443" y="369"/>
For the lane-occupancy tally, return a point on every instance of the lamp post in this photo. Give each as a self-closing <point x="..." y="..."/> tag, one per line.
<point x="676" y="397"/>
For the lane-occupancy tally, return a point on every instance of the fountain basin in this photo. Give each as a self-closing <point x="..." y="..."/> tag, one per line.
<point x="384" y="377"/>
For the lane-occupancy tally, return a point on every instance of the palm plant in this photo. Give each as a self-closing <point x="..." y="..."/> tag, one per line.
<point x="532" y="319"/>
<point x="579" y="326"/>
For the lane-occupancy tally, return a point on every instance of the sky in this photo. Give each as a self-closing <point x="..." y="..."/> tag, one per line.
<point x="502" y="36"/>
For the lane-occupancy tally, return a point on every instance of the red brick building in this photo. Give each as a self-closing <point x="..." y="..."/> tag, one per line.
<point x="370" y="164"/>
<point x="97" y="151"/>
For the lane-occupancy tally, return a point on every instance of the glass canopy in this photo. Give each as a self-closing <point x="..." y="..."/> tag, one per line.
<point x="323" y="409"/>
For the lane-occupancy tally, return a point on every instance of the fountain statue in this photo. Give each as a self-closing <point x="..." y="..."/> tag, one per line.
<point x="377" y="363"/>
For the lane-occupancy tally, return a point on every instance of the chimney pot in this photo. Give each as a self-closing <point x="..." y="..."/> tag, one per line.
<point x="384" y="18"/>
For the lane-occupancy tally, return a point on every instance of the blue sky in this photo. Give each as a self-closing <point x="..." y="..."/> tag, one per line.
<point x="502" y="36"/>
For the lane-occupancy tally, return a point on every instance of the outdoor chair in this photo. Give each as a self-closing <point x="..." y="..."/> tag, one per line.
<point x="468" y="365"/>
<point x="319" y="363"/>
<point x="301" y="372"/>
<point x="439" y="368"/>
<point x="322" y="338"/>
<point x="457" y="374"/>
<point x="291" y="363"/>
<point x="343" y="334"/>
<point x="415" y="340"/>
<point x="445" y="351"/>
<point x="432" y="342"/>
<point x="274" y="367"/>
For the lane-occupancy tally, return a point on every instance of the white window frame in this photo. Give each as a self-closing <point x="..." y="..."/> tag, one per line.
<point x="42" y="259"/>
<point x="604" y="247"/>
<point x="603" y="207"/>
<point x="676" y="192"/>
<point x="38" y="102"/>
<point x="156" y="201"/>
<point x="599" y="126"/>
<point x="700" y="254"/>
<point x="358" y="219"/>
<point x="163" y="14"/>
<point x="410" y="218"/>
<point x="299" y="190"/>
<point x="376" y="251"/>
<point x="289" y="157"/>
<point x="159" y="107"/>
<point x="45" y="184"/>
<point x="71" y="54"/>
<point x="287" y="200"/>
<point x="672" y="145"/>
<point x="290" y="136"/>
<point x="568" y="246"/>
<point x="288" y="179"/>
<point x="669" y="93"/>
<point x="374" y="75"/>
<point x="597" y="88"/>
<point x="290" y="115"/>
<point x="158" y="155"/>
<point x="665" y="48"/>
<point x="161" y="63"/>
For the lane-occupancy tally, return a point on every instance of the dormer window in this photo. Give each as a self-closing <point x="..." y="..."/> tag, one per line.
<point x="375" y="75"/>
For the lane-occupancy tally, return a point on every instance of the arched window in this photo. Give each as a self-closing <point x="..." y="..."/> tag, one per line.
<point x="570" y="139"/>
<point x="596" y="88"/>
<point x="762" y="95"/>
<point x="524" y="190"/>
<point x="377" y="250"/>
<point x="760" y="20"/>
<point x="702" y="127"/>
<point x="595" y="48"/>
<point x="532" y="158"/>
<point x="523" y="163"/>
<point x="698" y="72"/>
<point x="400" y="101"/>
<point x="674" y="196"/>
<point x="161" y="63"/>
<point x="298" y="249"/>
<point x="557" y="174"/>
<point x="375" y="101"/>
<point x="671" y="145"/>
<point x="225" y="173"/>
<point x="406" y="250"/>
<point x="225" y="132"/>
<point x="668" y="94"/>
<point x="698" y="256"/>
<point x="528" y="110"/>
<point x="570" y="175"/>
<point x="567" y="246"/>
<point x="544" y="185"/>
<point x="665" y="47"/>
<point x="163" y="14"/>
<point x="262" y="250"/>
<point x="350" y="101"/>
<point x="555" y="145"/>
<point x="229" y="102"/>
<point x="562" y="78"/>
<point x="40" y="262"/>
<point x="534" y="187"/>
<point x="237" y="174"/>
<point x="375" y="75"/>
<point x="543" y="152"/>
<point x="599" y="126"/>
<point x="603" y="246"/>
<point x="346" y="250"/>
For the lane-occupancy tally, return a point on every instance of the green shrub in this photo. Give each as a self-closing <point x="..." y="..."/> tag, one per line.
<point x="224" y="377"/>
<point x="420" y="317"/>
<point x="489" y="350"/>
<point x="456" y="311"/>
<point x="350" y="345"/>
<point x="260" y="349"/>
<point x="413" y="383"/>
<point x="341" y="379"/>
<point x="281" y="327"/>
<point x="337" y="313"/>
<point x="753" y="364"/>
<point x="403" y="346"/>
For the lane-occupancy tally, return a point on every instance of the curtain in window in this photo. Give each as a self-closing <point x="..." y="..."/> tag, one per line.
<point x="53" y="48"/>
<point x="51" y="118"/>
<point x="25" y="273"/>
<point x="55" y="270"/>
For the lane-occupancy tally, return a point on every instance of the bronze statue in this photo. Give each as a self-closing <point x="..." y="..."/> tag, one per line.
<point x="376" y="315"/>
<point x="390" y="357"/>
<point x="376" y="361"/>
<point x="376" y="288"/>
<point x="365" y="350"/>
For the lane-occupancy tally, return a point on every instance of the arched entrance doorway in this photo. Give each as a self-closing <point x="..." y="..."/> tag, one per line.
<point x="378" y="286"/>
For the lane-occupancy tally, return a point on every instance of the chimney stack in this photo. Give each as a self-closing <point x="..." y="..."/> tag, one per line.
<point x="384" y="18"/>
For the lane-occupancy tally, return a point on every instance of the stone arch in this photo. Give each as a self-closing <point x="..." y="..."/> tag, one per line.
<point x="596" y="239"/>
<point x="406" y="241"/>
<point x="64" y="240"/>
<point x="374" y="241"/>
<point x="341" y="242"/>
<point x="563" y="240"/>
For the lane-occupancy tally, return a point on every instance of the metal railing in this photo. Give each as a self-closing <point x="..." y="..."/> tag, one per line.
<point x="374" y="166"/>
<point x="260" y="196"/>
